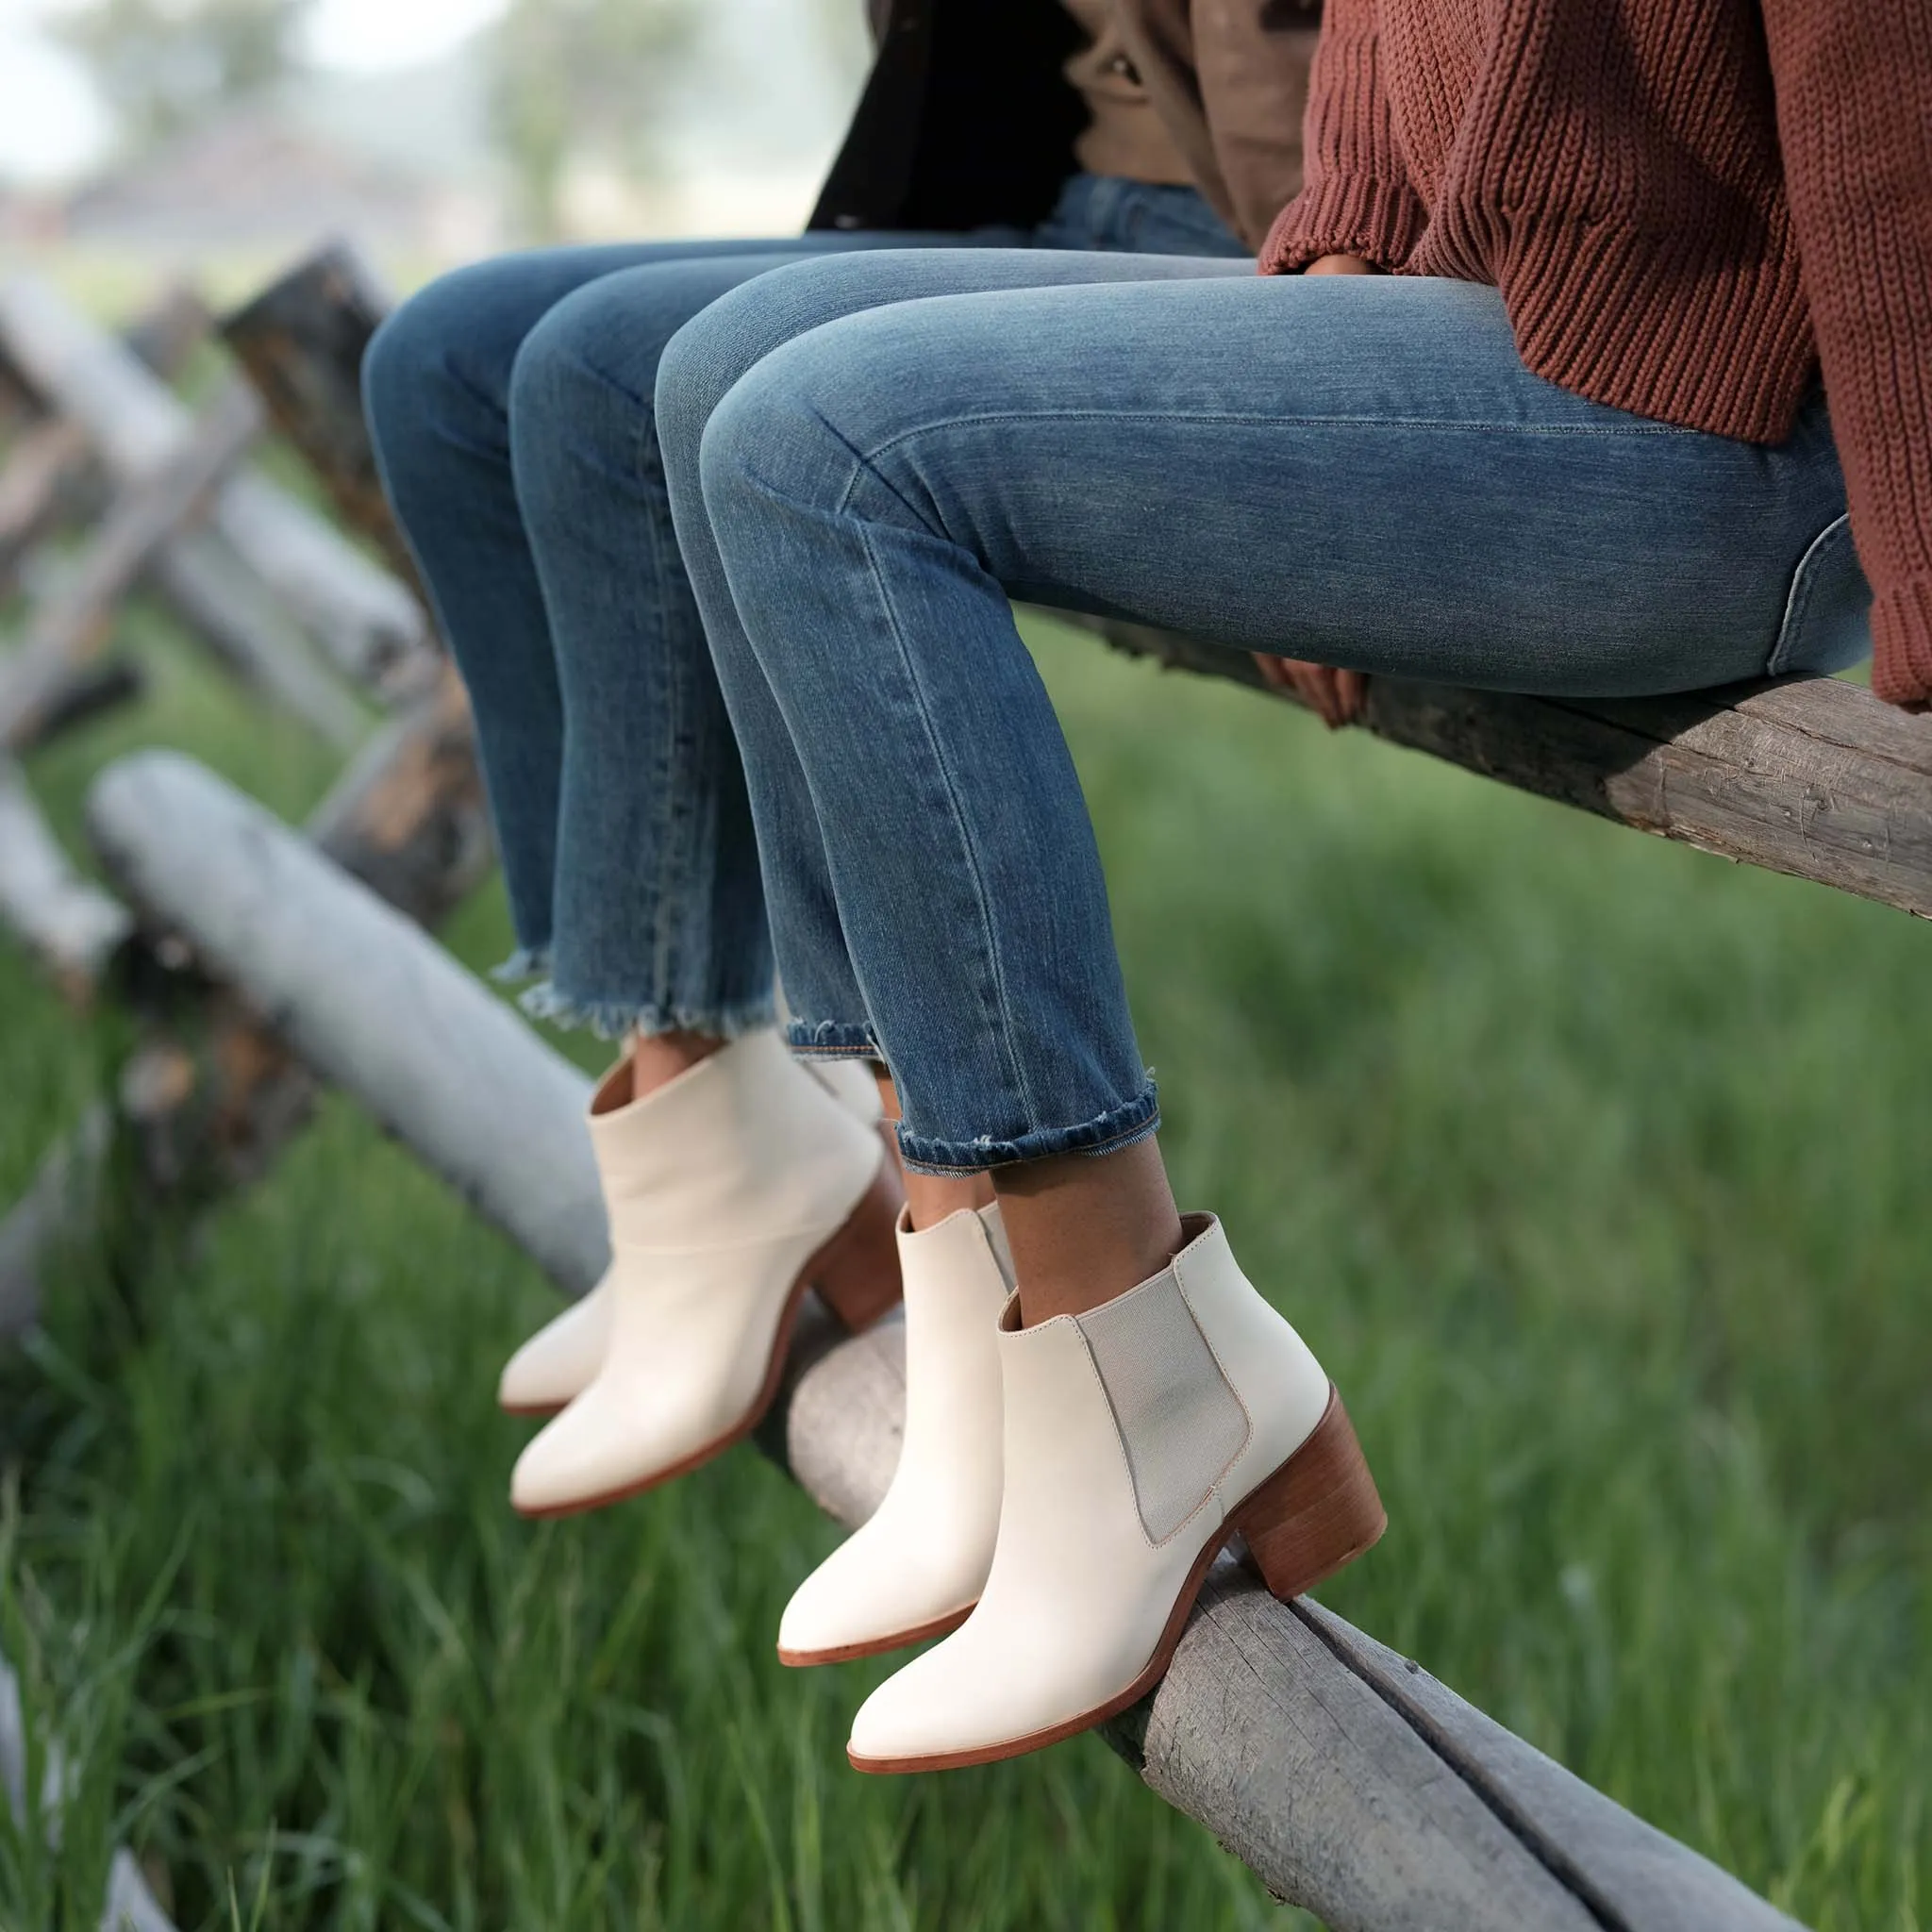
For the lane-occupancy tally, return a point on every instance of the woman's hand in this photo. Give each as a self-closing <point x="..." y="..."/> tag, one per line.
<point x="1335" y="697"/>
<point x="1340" y="265"/>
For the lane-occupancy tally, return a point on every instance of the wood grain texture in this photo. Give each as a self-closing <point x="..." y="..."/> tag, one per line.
<point x="302" y="340"/>
<point x="1628" y="1871"/>
<point x="1268" y="1728"/>
<point x="361" y="615"/>
<point x="1811" y="777"/>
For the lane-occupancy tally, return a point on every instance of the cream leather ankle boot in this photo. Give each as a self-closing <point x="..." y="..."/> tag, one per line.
<point x="559" y="1361"/>
<point x="730" y="1190"/>
<point x="917" y="1564"/>
<point x="1139" y="1438"/>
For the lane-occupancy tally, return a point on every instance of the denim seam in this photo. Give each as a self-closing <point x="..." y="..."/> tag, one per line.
<point x="841" y="510"/>
<point x="990" y="418"/>
<point x="673" y="836"/>
<point x="952" y="790"/>
<point x="1124" y="1136"/>
<point x="1804" y="587"/>
<point x="862" y="1042"/>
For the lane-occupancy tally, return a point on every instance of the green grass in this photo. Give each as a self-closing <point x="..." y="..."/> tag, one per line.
<point x="1595" y="1170"/>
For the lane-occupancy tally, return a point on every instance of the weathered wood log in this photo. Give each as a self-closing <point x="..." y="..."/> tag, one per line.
<point x="408" y="818"/>
<point x="70" y="923"/>
<point x="165" y="335"/>
<point x="227" y="609"/>
<point x="165" y="502"/>
<point x="1806" y="775"/>
<point x="302" y="340"/>
<point x="86" y="691"/>
<point x="1383" y="1806"/>
<point x="360" y="613"/>
<point x="130" y="1906"/>
<point x="328" y="983"/>
<point x="43" y="466"/>
<point x="47" y="471"/>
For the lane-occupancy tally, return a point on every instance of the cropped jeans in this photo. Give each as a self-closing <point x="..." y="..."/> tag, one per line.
<point x="512" y="408"/>
<point x="868" y="457"/>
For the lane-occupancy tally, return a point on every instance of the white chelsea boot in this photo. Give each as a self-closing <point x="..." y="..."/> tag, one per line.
<point x="917" y="1565"/>
<point x="1139" y="1438"/>
<point x="558" y="1362"/>
<point x="730" y="1190"/>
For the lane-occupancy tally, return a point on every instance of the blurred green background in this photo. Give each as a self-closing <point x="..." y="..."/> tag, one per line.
<point x="1595" y="1169"/>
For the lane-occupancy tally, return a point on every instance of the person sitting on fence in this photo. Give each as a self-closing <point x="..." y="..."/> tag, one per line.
<point x="512" y="408"/>
<point x="1571" y="438"/>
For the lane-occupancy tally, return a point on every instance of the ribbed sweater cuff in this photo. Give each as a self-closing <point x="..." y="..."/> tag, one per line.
<point x="1902" y="642"/>
<point x="1352" y="214"/>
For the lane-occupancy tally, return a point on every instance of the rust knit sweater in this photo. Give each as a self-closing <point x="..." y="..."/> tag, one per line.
<point x="1686" y="205"/>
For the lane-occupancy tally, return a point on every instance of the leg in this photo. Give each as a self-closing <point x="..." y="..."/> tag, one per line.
<point x="437" y="389"/>
<point x="511" y="406"/>
<point x="442" y="383"/>
<point x="699" y="369"/>
<point x="1359" y="473"/>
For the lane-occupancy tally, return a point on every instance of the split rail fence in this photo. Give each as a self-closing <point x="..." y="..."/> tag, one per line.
<point x="265" y="959"/>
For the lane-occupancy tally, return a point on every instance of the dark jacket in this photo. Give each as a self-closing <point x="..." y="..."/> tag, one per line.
<point x="967" y="119"/>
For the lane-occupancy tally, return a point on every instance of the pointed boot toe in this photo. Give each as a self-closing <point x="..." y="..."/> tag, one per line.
<point x="917" y="1565"/>
<point x="560" y="1361"/>
<point x="1139" y="1439"/>
<point x="860" y="1601"/>
<point x="730" y="1190"/>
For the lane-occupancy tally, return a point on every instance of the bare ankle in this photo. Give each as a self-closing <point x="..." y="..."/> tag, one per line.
<point x="931" y="1197"/>
<point x="1086" y="1228"/>
<point x="652" y="1061"/>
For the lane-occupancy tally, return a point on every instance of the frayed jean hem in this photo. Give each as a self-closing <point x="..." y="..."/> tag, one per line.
<point x="621" y="1019"/>
<point x="526" y="962"/>
<point x="1119" y="1127"/>
<point x="832" y="1040"/>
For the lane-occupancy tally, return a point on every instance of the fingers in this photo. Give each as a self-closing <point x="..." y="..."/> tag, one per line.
<point x="1337" y="697"/>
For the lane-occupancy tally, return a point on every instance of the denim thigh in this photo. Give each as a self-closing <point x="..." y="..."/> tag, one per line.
<point x="1357" y="470"/>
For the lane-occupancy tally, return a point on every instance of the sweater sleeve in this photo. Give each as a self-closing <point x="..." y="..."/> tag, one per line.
<point x="1355" y="197"/>
<point x="1855" y="122"/>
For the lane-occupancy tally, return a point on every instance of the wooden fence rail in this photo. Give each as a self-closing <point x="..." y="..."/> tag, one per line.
<point x="1351" y="1782"/>
<point x="1808" y="775"/>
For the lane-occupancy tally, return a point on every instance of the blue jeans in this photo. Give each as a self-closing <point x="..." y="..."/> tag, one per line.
<point x="511" y="404"/>
<point x="868" y="457"/>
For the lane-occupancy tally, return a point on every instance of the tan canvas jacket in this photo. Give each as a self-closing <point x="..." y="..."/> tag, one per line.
<point x="968" y="121"/>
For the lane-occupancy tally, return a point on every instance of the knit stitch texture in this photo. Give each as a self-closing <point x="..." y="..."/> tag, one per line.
<point x="1688" y="207"/>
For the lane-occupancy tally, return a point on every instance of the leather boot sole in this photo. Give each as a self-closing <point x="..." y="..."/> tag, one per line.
<point x="875" y="1646"/>
<point x="856" y="1274"/>
<point x="1313" y="1516"/>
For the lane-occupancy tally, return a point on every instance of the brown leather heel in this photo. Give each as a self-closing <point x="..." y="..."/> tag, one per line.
<point x="857" y="1272"/>
<point x="1318" y="1512"/>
